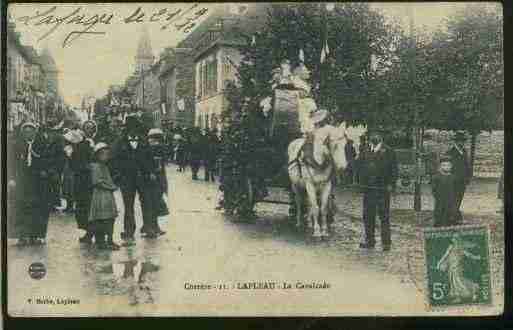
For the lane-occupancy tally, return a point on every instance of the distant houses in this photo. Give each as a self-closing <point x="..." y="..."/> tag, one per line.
<point x="184" y="85"/>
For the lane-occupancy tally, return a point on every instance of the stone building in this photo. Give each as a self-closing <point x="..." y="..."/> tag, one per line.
<point x="215" y="52"/>
<point x="177" y="82"/>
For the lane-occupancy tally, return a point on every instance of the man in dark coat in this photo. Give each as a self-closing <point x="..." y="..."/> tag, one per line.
<point x="363" y="148"/>
<point x="81" y="160"/>
<point x="195" y="148"/>
<point x="35" y="165"/>
<point x="379" y="174"/>
<point x="56" y="143"/>
<point x="127" y="163"/>
<point x="211" y="149"/>
<point x="461" y="170"/>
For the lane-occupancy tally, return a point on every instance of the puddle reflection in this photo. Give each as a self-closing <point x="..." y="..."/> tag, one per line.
<point x="132" y="278"/>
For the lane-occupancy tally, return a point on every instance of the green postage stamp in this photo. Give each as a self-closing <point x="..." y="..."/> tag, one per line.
<point x="457" y="266"/>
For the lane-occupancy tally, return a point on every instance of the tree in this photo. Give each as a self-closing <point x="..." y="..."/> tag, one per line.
<point x="472" y="58"/>
<point x="457" y="80"/>
<point x="355" y="34"/>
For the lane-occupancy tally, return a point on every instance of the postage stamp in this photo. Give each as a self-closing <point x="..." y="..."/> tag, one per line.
<point x="457" y="266"/>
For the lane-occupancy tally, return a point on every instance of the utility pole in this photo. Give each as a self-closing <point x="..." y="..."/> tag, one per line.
<point x="417" y="202"/>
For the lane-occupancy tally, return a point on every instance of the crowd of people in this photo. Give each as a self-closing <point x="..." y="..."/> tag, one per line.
<point x="76" y="169"/>
<point x="52" y="164"/>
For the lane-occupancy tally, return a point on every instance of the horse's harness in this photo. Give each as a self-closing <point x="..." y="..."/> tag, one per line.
<point x="328" y="143"/>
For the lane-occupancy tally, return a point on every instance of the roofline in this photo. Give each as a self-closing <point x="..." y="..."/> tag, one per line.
<point x="217" y="43"/>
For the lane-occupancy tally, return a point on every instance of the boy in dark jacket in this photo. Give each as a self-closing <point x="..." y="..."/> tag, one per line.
<point x="443" y="185"/>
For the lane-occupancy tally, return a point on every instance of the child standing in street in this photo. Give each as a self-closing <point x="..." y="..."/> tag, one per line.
<point x="443" y="185"/>
<point x="103" y="209"/>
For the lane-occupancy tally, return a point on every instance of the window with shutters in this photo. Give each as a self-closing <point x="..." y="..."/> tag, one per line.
<point x="199" y="76"/>
<point x="207" y="76"/>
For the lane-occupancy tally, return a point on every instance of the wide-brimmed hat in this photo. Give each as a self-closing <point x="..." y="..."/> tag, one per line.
<point x="319" y="115"/>
<point x="155" y="132"/>
<point x="100" y="146"/>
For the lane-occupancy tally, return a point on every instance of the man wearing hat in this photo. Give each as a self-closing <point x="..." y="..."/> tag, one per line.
<point x="379" y="172"/>
<point x="196" y="147"/>
<point x="81" y="160"/>
<point x="211" y="151"/>
<point x="461" y="170"/>
<point x="129" y="156"/>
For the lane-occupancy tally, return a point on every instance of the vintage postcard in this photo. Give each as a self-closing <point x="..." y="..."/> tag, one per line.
<point x="254" y="159"/>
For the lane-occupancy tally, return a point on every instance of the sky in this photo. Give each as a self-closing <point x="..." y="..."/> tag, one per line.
<point x="91" y="63"/>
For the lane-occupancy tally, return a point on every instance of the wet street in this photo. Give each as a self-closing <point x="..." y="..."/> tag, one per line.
<point x="206" y="262"/>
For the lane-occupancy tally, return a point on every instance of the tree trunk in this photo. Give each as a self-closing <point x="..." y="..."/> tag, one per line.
<point x="473" y="140"/>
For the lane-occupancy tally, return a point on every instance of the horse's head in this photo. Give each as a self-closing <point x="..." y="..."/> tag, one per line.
<point x="336" y="143"/>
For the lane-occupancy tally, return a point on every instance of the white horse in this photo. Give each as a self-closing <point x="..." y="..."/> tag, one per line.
<point x="314" y="175"/>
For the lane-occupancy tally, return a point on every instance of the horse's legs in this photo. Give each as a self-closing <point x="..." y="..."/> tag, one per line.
<point x="313" y="212"/>
<point x="325" y="204"/>
<point x="299" y="208"/>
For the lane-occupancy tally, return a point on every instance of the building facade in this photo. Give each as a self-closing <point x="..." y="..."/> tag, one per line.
<point x="177" y="83"/>
<point x="214" y="46"/>
<point x="32" y="82"/>
<point x="213" y="69"/>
